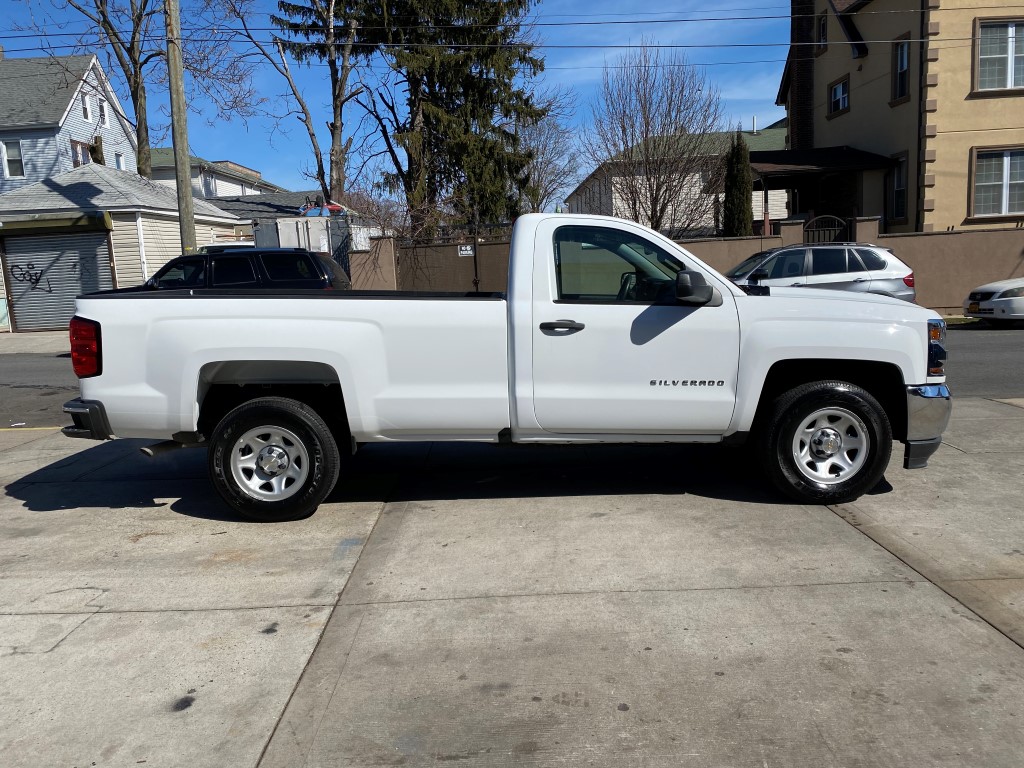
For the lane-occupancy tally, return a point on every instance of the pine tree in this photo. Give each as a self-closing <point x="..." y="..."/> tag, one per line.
<point x="447" y="119"/>
<point x="737" y="216"/>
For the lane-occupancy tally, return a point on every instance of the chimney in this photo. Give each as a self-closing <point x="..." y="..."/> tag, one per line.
<point x="754" y="129"/>
<point x="1" y="53"/>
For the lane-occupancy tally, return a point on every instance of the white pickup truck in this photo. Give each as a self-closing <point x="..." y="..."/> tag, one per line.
<point x="609" y="333"/>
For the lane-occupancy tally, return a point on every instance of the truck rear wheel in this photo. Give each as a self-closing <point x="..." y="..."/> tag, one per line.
<point x="273" y="459"/>
<point x="827" y="442"/>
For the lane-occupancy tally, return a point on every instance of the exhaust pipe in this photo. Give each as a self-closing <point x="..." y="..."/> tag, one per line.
<point x="157" y="448"/>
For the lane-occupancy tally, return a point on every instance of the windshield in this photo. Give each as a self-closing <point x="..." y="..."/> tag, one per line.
<point x="747" y="265"/>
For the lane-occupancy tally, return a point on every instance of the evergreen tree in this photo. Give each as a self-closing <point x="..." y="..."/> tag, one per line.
<point x="737" y="216"/>
<point x="447" y="116"/>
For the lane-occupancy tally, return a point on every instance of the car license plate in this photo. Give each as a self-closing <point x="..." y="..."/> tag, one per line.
<point x="972" y="307"/>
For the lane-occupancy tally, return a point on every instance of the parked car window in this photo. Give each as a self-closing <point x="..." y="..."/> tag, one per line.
<point x="828" y="261"/>
<point x="872" y="260"/>
<point x="786" y="264"/>
<point x="233" y="271"/>
<point x="853" y="261"/>
<point x="184" y="273"/>
<point x="600" y="264"/>
<point x="289" y="266"/>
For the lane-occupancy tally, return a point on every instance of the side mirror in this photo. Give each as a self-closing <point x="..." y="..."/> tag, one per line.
<point x="151" y="283"/>
<point x="692" y="289"/>
<point x="758" y="275"/>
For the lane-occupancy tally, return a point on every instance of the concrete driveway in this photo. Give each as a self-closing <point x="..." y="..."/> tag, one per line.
<point x="514" y="606"/>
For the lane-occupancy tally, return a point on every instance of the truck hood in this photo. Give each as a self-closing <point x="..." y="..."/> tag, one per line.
<point x="819" y="294"/>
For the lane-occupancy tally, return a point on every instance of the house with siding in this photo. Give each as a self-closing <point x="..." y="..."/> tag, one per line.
<point x="216" y="178"/>
<point x="56" y="114"/>
<point x="602" y="192"/>
<point x="92" y="228"/>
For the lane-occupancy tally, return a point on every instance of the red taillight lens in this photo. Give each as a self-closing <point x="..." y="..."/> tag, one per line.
<point x="909" y="280"/>
<point x="86" y="357"/>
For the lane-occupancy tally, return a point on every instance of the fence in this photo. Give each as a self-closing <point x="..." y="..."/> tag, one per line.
<point x="947" y="265"/>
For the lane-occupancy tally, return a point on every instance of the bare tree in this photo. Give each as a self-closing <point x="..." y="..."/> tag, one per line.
<point x="653" y="139"/>
<point x="324" y="36"/>
<point x="554" y="164"/>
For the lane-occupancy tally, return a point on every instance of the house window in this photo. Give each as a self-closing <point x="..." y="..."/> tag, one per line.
<point x="85" y="106"/>
<point x="839" y="96"/>
<point x="119" y="161"/>
<point x="1001" y="55"/>
<point x="80" y="153"/>
<point x="901" y="70"/>
<point x="999" y="182"/>
<point x="898" y="208"/>
<point x="14" y="165"/>
<point x="821" y="36"/>
<point x="103" y="113"/>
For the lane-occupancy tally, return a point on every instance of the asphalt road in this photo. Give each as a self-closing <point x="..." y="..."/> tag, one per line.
<point x="982" y="363"/>
<point x="34" y="387"/>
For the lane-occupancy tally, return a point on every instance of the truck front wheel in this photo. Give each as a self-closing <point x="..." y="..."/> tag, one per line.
<point x="273" y="459"/>
<point x="827" y="442"/>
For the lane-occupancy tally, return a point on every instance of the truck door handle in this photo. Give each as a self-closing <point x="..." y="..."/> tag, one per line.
<point x="562" y="325"/>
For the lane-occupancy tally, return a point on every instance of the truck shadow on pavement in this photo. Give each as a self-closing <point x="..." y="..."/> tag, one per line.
<point x="116" y="475"/>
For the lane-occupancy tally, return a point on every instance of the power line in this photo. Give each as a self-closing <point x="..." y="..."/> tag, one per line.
<point x="632" y="21"/>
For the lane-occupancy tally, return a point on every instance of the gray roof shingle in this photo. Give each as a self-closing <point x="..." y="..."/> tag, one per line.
<point x="37" y="91"/>
<point x="95" y="187"/>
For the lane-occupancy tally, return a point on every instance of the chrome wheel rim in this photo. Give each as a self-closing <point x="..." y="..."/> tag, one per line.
<point x="269" y="463"/>
<point x="831" y="445"/>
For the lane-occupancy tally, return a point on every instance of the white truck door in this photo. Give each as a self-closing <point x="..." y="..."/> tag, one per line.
<point x="612" y="351"/>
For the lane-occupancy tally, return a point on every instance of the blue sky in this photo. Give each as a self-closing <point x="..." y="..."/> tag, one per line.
<point x="743" y="45"/>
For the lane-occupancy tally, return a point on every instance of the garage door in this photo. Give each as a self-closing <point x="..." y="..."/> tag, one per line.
<point x="45" y="273"/>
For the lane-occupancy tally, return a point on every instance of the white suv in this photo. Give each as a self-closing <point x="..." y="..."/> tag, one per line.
<point x="846" y="266"/>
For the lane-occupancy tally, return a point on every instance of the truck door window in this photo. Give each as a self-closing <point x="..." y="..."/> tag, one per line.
<point x="600" y="265"/>
<point x="233" y="272"/>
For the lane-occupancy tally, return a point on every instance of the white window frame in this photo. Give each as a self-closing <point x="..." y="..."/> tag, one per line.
<point x="21" y="152"/>
<point x="104" y="113"/>
<point x="1004" y="203"/>
<point x="1015" y="29"/>
<point x="86" y="110"/>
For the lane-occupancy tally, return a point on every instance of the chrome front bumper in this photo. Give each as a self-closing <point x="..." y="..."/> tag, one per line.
<point x="928" y="410"/>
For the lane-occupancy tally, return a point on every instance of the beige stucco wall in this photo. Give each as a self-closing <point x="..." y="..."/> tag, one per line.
<point x="961" y="120"/>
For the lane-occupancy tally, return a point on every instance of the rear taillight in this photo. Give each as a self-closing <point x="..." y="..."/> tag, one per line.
<point x="936" y="348"/>
<point x="909" y="280"/>
<point x="86" y="355"/>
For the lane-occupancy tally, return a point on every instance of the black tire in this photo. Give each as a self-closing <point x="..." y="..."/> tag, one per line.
<point x="295" y="467"/>
<point x="826" y="442"/>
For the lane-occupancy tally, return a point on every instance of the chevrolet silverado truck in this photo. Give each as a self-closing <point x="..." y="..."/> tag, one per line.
<point x="609" y="332"/>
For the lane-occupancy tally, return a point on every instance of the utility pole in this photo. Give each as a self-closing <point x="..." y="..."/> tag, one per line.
<point x="179" y="127"/>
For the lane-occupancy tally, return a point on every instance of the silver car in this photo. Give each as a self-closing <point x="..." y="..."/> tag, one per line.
<point x="844" y="266"/>
<point x="1000" y="303"/>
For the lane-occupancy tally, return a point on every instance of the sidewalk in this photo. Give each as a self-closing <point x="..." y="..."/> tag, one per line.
<point x="38" y="342"/>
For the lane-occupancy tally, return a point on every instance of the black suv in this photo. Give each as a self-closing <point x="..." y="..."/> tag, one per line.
<point x="233" y="268"/>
